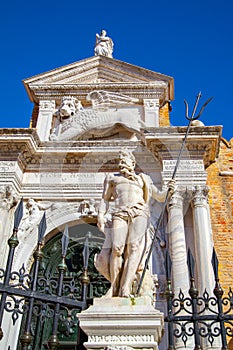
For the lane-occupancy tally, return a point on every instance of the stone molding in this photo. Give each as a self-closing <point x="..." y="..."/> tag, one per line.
<point x="110" y="86"/>
<point x="139" y="91"/>
<point x="202" y="143"/>
<point x="113" y="347"/>
<point x="98" y="66"/>
<point x="98" y="72"/>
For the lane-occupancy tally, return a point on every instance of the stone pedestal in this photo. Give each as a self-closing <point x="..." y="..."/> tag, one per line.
<point x="122" y="324"/>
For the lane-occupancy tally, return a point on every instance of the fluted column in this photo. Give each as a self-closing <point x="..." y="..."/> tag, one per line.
<point x="177" y="243"/>
<point x="178" y="253"/>
<point x="203" y="249"/>
<point x="202" y="238"/>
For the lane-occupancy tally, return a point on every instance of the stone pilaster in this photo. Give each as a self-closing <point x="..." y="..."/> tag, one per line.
<point x="45" y="117"/>
<point x="151" y="112"/>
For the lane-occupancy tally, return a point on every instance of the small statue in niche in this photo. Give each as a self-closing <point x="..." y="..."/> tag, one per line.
<point x="8" y="198"/>
<point x="103" y="45"/>
<point x="32" y="216"/>
<point x="53" y="136"/>
<point x="88" y="207"/>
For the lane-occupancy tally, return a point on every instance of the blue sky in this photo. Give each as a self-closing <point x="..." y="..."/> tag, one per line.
<point x="191" y="41"/>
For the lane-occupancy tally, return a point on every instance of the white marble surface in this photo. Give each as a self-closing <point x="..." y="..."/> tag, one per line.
<point x="122" y="322"/>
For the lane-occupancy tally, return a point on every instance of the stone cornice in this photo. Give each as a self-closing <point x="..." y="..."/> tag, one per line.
<point x="97" y="86"/>
<point x="101" y="62"/>
<point x="90" y="145"/>
<point x="23" y="145"/>
<point x="141" y="91"/>
<point x="162" y="143"/>
<point x="18" y="144"/>
<point x="19" y="132"/>
<point x="202" y="143"/>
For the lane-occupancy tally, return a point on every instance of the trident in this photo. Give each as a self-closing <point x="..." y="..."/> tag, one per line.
<point x="156" y="236"/>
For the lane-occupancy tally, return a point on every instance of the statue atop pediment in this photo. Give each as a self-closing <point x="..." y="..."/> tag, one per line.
<point x="103" y="45"/>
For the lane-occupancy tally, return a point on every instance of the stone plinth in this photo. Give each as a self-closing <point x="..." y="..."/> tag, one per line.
<point x="122" y="323"/>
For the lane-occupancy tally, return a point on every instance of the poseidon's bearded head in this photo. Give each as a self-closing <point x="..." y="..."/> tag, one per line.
<point x="126" y="163"/>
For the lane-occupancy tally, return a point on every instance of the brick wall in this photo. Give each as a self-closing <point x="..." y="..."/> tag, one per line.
<point x="220" y="181"/>
<point x="34" y="116"/>
<point x="164" y="118"/>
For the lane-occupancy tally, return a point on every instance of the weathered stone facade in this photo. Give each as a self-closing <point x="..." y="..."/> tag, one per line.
<point x="83" y="115"/>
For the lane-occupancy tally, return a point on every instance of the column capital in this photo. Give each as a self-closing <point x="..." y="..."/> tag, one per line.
<point x="200" y="196"/>
<point x="46" y="104"/>
<point x="176" y="199"/>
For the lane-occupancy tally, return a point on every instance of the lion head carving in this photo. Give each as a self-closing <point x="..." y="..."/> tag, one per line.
<point x="68" y="107"/>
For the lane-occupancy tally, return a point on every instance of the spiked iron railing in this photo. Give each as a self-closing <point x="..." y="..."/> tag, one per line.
<point x="44" y="297"/>
<point x="12" y="242"/>
<point x="26" y="338"/>
<point x="201" y="317"/>
<point x="23" y="294"/>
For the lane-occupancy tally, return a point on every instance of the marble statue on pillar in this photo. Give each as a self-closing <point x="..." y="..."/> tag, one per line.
<point x="126" y="226"/>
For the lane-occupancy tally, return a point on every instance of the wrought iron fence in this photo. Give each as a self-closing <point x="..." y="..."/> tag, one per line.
<point x="198" y="317"/>
<point x="40" y="298"/>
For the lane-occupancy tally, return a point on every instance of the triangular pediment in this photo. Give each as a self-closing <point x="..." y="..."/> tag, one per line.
<point x="97" y="70"/>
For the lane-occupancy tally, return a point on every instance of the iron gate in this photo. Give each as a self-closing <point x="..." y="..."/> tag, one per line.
<point x="48" y="301"/>
<point x="198" y="318"/>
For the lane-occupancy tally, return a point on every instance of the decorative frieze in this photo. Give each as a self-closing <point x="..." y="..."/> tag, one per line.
<point x="121" y="338"/>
